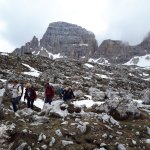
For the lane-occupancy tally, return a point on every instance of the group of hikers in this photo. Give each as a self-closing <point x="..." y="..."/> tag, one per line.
<point x="17" y="91"/>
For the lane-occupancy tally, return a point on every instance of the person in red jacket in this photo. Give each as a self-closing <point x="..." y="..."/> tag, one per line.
<point x="49" y="93"/>
<point x="30" y="95"/>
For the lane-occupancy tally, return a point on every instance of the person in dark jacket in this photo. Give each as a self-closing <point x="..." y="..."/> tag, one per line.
<point x="49" y="93"/>
<point x="30" y="95"/>
<point x="68" y="94"/>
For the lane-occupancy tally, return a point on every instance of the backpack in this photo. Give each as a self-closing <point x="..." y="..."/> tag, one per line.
<point x="50" y="92"/>
<point x="31" y="94"/>
<point x="21" y="89"/>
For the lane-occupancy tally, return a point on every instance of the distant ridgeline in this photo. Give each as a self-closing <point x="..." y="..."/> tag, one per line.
<point x="69" y="40"/>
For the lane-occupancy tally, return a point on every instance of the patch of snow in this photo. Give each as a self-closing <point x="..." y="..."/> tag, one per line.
<point x="87" y="78"/>
<point x="145" y="74"/>
<point x="102" y="76"/>
<point x="132" y="75"/>
<point x="88" y="65"/>
<point x="4" y="54"/>
<point x="88" y="103"/>
<point x="38" y="53"/>
<point x="99" y="61"/>
<point x="141" y="61"/>
<point x="53" y="56"/>
<point x="39" y="103"/>
<point x="33" y="72"/>
<point x="33" y="52"/>
<point x="83" y="45"/>
<point x="148" y="79"/>
<point x="3" y="80"/>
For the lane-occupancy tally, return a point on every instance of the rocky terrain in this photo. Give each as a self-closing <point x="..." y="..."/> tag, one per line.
<point x="69" y="40"/>
<point x="117" y="120"/>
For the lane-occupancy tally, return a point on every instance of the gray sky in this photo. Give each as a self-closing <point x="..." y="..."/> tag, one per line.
<point x="20" y="20"/>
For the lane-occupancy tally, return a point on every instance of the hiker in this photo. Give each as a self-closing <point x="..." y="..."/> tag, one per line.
<point x="55" y="79"/>
<point x="60" y="91"/>
<point x="68" y="94"/>
<point x="16" y="95"/>
<point x="30" y="95"/>
<point x="49" y="93"/>
<point x="7" y="96"/>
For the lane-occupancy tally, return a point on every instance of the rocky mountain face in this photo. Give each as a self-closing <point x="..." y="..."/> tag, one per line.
<point x="118" y="52"/>
<point x="145" y="45"/>
<point x="75" y="42"/>
<point x="118" y="121"/>
<point x="67" y="39"/>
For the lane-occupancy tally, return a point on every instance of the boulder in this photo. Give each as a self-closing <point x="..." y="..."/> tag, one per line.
<point x="120" y="108"/>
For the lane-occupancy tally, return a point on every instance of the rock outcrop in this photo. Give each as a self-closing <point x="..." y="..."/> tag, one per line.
<point x="69" y="40"/>
<point x="115" y="51"/>
<point x="145" y="45"/>
<point x="29" y="47"/>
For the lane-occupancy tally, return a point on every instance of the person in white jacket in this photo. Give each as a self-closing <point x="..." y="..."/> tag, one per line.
<point x="16" y="95"/>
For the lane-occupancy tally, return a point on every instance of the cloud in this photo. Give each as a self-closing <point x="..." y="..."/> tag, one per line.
<point x="126" y="20"/>
<point x="5" y="46"/>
